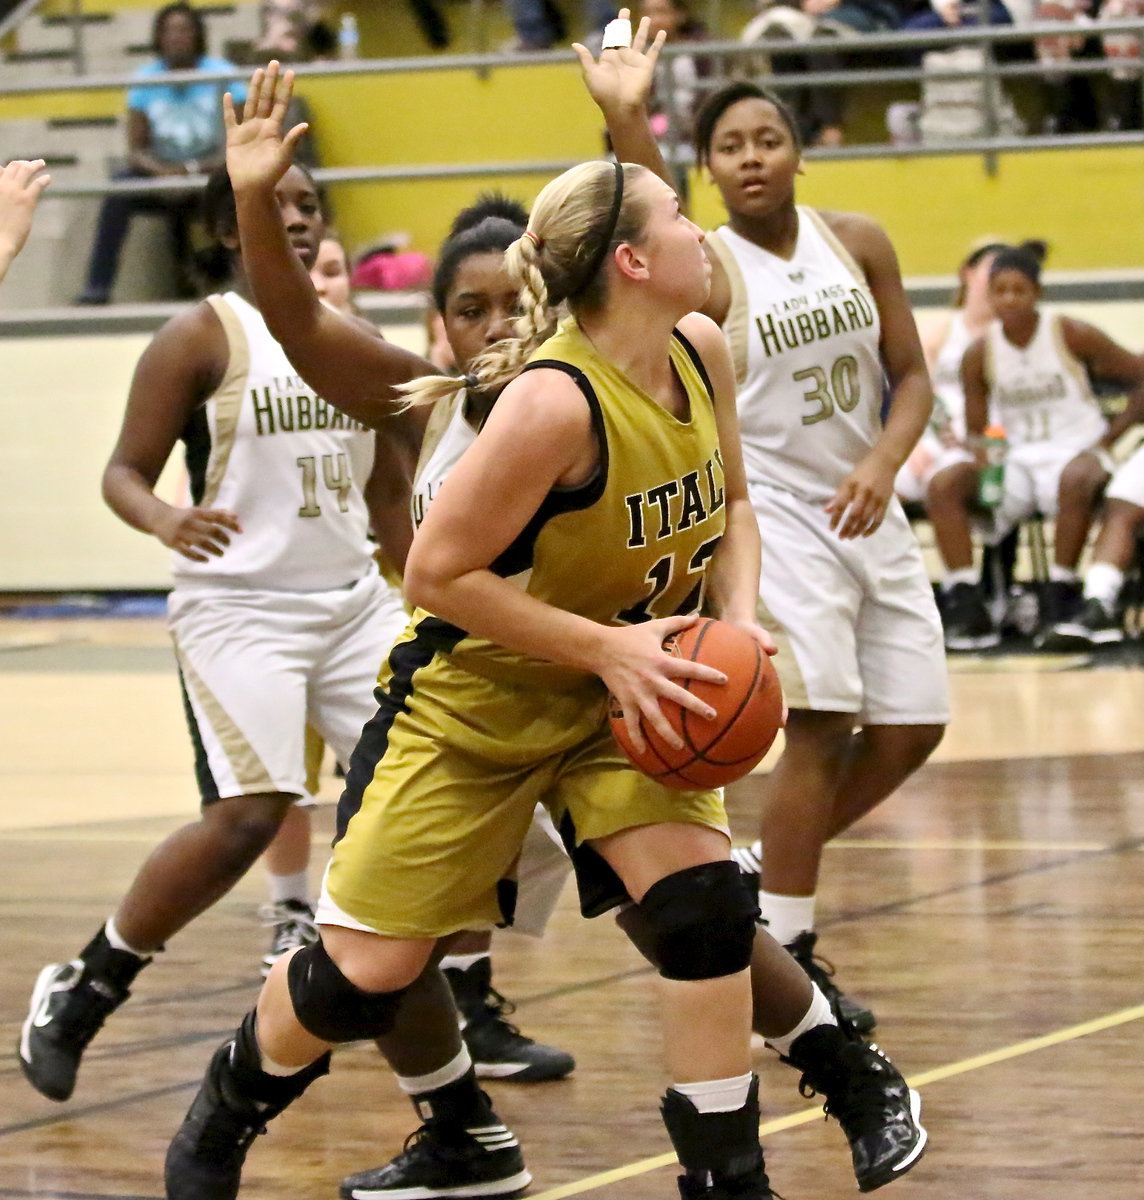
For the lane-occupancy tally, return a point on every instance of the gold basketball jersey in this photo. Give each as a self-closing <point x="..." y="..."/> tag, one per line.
<point x="630" y="544"/>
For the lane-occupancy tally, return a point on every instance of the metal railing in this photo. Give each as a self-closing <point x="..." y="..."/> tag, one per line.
<point x="725" y="53"/>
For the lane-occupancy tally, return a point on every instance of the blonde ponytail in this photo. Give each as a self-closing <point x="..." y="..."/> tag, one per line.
<point x="562" y="254"/>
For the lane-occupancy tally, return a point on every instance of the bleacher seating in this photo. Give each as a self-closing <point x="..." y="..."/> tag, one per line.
<point x="86" y="150"/>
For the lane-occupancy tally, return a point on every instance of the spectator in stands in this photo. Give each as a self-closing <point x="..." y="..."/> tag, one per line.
<point x="1123" y="99"/>
<point x="288" y="27"/>
<point x="174" y="131"/>
<point x="952" y="14"/>
<point x="21" y="185"/>
<point x="818" y="110"/>
<point x="540" y="25"/>
<point x="678" y="23"/>
<point x="1069" y="99"/>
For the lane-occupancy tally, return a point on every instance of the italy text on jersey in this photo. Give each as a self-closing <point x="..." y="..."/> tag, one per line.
<point x="700" y="497"/>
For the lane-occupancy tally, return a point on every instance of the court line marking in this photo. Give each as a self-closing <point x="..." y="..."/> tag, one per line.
<point x="791" y="1120"/>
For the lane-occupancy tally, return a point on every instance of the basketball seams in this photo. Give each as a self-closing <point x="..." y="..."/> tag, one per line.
<point x="748" y="696"/>
<point x="662" y="762"/>
<point x="703" y="753"/>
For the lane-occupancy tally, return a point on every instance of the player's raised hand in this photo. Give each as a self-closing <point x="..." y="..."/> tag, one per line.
<point x="621" y="78"/>
<point x="21" y="184"/>
<point x="258" y="153"/>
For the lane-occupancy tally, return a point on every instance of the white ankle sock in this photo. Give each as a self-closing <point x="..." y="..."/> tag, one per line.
<point x="461" y="962"/>
<point x="961" y="575"/>
<point x="818" y="1013"/>
<point x="115" y="938"/>
<point x="717" y="1095"/>
<point x="1058" y="574"/>
<point x="786" y="916"/>
<point x="416" y="1085"/>
<point x="290" y="887"/>
<point x="1103" y="582"/>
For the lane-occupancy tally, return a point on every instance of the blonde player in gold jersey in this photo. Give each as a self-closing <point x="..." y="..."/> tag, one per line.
<point x="611" y="450"/>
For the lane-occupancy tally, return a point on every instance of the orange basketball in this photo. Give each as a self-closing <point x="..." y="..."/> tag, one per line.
<point x="748" y="712"/>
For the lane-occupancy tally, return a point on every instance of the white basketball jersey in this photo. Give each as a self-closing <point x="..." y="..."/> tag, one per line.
<point x="447" y="436"/>
<point x="1040" y="393"/>
<point x="287" y="464"/>
<point x="948" y="394"/>
<point x="804" y="335"/>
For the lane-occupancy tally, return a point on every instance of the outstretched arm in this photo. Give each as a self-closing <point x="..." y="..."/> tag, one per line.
<point x="859" y="505"/>
<point x="620" y="83"/>
<point x="351" y="366"/>
<point x="21" y="185"/>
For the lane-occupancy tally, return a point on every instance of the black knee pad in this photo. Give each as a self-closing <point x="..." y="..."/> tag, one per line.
<point x="332" y="1008"/>
<point x="701" y="921"/>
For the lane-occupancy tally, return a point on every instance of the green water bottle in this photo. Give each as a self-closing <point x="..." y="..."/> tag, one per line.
<point x="991" y="483"/>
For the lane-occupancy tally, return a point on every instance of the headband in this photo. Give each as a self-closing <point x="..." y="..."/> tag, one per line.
<point x="601" y="251"/>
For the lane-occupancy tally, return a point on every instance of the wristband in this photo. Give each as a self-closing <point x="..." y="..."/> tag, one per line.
<point x="617" y="34"/>
<point x="1104" y="457"/>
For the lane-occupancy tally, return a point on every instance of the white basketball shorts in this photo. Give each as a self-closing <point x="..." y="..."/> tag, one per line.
<point x="1128" y="482"/>
<point x="1032" y="483"/>
<point x="930" y="456"/>
<point x="855" y="621"/>
<point x="257" y="667"/>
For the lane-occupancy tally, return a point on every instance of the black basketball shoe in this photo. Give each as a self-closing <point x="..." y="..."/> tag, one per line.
<point x="234" y="1104"/>
<point x="1093" y="626"/>
<point x="293" y="925"/>
<point x="753" y="1187"/>
<point x="70" y="1003"/>
<point x="866" y="1094"/>
<point x="1061" y="600"/>
<point x="498" y="1049"/>
<point x="821" y="972"/>
<point x="439" y="1161"/>
<point x="719" y="1151"/>
<point x="966" y="620"/>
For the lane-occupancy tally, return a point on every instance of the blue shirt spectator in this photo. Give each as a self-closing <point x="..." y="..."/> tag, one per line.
<point x="185" y="119"/>
<point x="174" y="130"/>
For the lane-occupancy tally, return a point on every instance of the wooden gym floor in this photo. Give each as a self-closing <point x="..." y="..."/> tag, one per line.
<point x="992" y="914"/>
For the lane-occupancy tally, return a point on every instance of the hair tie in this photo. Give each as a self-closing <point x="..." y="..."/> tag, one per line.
<point x="537" y="242"/>
<point x="472" y="382"/>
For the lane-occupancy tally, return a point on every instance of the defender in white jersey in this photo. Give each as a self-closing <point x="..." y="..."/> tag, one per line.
<point x="278" y="615"/>
<point x="1030" y="371"/>
<point x="822" y="338"/>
